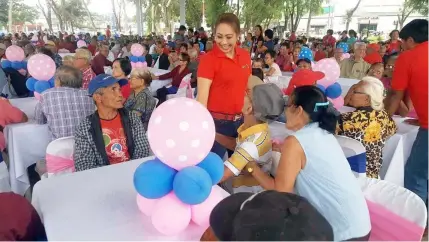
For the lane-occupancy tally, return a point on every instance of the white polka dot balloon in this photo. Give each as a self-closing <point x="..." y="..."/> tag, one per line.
<point x="330" y="68"/>
<point x="41" y="67"/>
<point x="137" y="49"/>
<point x="181" y="132"/>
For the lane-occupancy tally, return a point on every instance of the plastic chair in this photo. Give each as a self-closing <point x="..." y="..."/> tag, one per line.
<point x="59" y="156"/>
<point x="355" y="153"/>
<point x="156" y="101"/>
<point x="184" y="90"/>
<point x="396" y="213"/>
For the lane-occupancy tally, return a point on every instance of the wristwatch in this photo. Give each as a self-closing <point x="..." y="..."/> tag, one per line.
<point x="250" y="169"/>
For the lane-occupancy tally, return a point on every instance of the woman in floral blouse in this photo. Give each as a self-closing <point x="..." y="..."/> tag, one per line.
<point x="369" y="124"/>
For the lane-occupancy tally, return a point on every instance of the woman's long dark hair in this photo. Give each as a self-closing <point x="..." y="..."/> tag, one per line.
<point x="125" y="65"/>
<point x="307" y="97"/>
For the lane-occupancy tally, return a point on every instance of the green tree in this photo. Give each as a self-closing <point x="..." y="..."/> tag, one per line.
<point x="349" y="14"/>
<point x="420" y="6"/>
<point x="194" y="13"/>
<point x="250" y="16"/>
<point x="214" y="8"/>
<point x="314" y="9"/>
<point x="21" y="12"/>
<point x="409" y="7"/>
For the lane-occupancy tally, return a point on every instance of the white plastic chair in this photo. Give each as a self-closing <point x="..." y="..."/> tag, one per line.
<point x="397" y="200"/>
<point x="355" y="153"/>
<point x="184" y="90"/>
<point x="59" y="156"/>
<point x="4" y="176"/>
<point x="156" y="101"/>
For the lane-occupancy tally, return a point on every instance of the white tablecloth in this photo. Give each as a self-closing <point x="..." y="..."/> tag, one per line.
<point x="27" y="105"/>
<point x="396" y="152"/>
<point x="26" y="144"/>
<point x="157" y="84"/>
<point x="98" y="204"/>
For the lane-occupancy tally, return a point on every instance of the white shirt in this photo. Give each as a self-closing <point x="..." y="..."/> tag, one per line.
<point x="125" y="52"/>
<point x="152" y="49"/>
<point x="277" y="71"/>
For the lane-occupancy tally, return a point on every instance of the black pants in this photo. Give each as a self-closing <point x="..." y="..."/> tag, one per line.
<point x="33" y="176"/>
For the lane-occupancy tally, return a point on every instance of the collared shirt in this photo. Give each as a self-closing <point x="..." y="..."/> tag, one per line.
<point x="87" y="75"/>
<point x="283" y="61"/>
<point x="329" y="40"/>
<point x="411" y="75"/>
<point x="8" y="115"/>
<point x="229" y="79"/>
<point x="256" y="138"/>
<point x="62" y="108"/>
<point x="354" y="69"/>
<point x="143" y="103"/>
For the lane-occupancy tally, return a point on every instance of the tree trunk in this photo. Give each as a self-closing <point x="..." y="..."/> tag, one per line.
<point x="238" y="8"/>
<point x="309" y="22"/>
<point x="114" y="14"/>
<point x="10" y="20"/>
<point x="85" y="4"/>
<point x="58" y="13"/>
<point x="350" y="15"/>
<point x="125" y="22"/>
<point x="47" y="14"/>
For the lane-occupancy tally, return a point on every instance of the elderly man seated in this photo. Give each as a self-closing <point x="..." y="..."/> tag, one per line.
<point x="112" y="134"/>
<point x="355" y="67"/>
<point x="82" y="61"/>
<point x="66" y="105"/>
<point x="100" y="60"/>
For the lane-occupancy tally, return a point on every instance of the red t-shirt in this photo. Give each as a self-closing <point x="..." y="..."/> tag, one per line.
<point x="411" y="75"/>
<point x="319" y="55"/>
<point x="126" y="91"/>
<point x="115" y="140"/>
<point x="92" y="49"/>
<point x="229" y="79"/>
<point x="394" y="47"/>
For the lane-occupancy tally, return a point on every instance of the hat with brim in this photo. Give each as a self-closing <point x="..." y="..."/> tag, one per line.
<point x="268" y="102"/>
<point x="102" y="81"/>
<point x="268" y="216"/>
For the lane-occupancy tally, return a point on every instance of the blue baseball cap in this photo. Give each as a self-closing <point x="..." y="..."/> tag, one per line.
<point x="102" y="81"/>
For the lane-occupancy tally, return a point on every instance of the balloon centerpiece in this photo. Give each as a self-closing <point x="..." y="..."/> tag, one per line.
<point x="15" y="59"/>
<point x="177" y="187"/>
<point x="81" y="43"/>
<point x="306" y="53"/>
<point x="137" y="59"/>
<point x="42" y="70"/>
<point x="329" y="84"/>
<point x="345" y="47"/>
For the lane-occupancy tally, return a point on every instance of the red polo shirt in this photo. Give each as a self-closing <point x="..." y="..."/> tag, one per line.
<point x="411" y="75"/>
<point x="229" y="79"/>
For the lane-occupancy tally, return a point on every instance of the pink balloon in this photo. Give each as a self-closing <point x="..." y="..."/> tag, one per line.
<point x="15" y="53"/>
<point x="337" y="102"/>
<point x="346" y="55"/>
<point x="137" y="49"/>
<point x="133" y="65"/>
<point x="41" y="67"/>
<point x="170" y="216"/>
<point x="37" y="95"/>
<point x="146" y="205"/>
<point x="181" y="132"/>
<point x="331" y="69"/>
<point x="201" y="212"/>
<point x="139" y="64"/>
<point x="81" y="44"/>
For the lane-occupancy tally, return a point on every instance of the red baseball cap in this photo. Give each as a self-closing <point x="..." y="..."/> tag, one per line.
<point x="303" y="78"/>
<point x="375" y="47"/>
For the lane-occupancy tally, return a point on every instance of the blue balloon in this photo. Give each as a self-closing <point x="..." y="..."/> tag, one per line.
<point x="322" y="88"/>
<point x="192" y="185"/>
<point x="52" y="82"/>
<point x="30" y="83"/>
<point x="343" y="46"/>
<point x="41" y="86"/>
<point x="333" y="91"/>
<point x="134" y="58"/>
<point x="306" y="53"/>
<point x="24" y="65"/>
<point x="101" y="38"/>
<point x="142" y="59"/>
<point x="213" y="165"/>
<point x="154" y="179"/>
<point x="201" y="46"/>
<point x="17" y="65"/>
<point x="6" y="64"/>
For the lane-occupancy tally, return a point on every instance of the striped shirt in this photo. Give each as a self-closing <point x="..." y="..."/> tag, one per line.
<point x="63" y="108"/>
<point x="253" y="144"/>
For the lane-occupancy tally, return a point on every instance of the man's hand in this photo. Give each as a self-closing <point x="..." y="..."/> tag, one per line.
<point x="412" y="121"/>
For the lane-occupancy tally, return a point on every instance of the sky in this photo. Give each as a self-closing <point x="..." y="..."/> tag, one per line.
<point x="99" y="5"/>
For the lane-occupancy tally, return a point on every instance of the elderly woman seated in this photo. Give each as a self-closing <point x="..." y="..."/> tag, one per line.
<point x="369" y="124"/>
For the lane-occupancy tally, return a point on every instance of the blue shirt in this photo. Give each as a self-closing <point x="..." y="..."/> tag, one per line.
<point x="329" y="184"/>
<point x="269" y="44"/>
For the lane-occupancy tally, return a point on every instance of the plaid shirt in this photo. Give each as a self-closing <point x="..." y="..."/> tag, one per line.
<point x="143" y="103"/>
<point x="63" y="108"/>
<point x="90" y="151"/>
<point x="87" y="75"/>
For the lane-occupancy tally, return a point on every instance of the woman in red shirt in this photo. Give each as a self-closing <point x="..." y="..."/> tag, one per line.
<point x="177" y="75"/>
<point x="394" y="44"/>
<point x="223" y="74"/>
